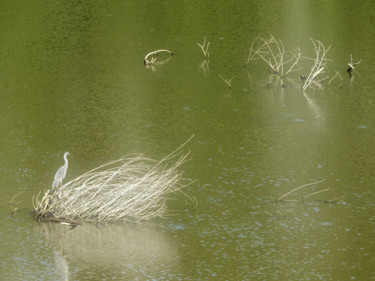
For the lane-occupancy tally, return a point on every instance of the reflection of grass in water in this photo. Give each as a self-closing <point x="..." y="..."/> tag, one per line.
<point x="136" y="248"/>
<point x="130" y="188"/>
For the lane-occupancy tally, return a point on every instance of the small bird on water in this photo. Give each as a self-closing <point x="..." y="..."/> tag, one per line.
<point x="61" y="172"/>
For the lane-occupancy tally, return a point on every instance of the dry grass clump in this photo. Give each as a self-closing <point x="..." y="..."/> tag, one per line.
<point x="130" y="188"/>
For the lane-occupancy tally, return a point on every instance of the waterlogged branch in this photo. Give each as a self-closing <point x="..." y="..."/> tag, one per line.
<point x="316" y="192"/>
<point x="333" y="78"/>
<point x="352" y="65"/>
<point x="154" y="55"/>
<point x="297" y="188"/>
<point x="204" y="47"/>
<point x="296" y="56"/>
<point x="263" y="51"/>
<point x="320" y="62"/>
<point x="272" y="52"/>
<point x="228" y="82"/>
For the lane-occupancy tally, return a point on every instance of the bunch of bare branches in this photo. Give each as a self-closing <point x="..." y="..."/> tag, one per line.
<point x="273" y="53"/>
<point x="282" y="62"/>
<point x="131" y="188"/>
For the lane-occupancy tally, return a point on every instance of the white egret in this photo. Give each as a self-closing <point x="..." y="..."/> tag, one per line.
<point x="61" y="172"/>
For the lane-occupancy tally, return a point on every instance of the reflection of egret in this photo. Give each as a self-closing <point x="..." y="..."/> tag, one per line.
<point x="61" y="172"/>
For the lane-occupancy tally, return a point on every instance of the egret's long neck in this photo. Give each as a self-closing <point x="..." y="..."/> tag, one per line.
<point x="65" y="159"/>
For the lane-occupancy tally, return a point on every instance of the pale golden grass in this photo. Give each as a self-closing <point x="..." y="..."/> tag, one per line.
<point x="132" y="188"/>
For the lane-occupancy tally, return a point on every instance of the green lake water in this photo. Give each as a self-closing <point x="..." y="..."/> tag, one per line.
<point x="73" y="79"/>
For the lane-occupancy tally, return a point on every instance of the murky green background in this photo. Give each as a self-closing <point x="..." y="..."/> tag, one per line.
<point x="72" y="79"/>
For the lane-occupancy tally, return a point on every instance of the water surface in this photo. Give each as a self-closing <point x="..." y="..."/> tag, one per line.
<point x="73" y="80"/>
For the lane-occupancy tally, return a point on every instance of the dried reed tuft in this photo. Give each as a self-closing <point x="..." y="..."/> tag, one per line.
<point x="131" y="188"/>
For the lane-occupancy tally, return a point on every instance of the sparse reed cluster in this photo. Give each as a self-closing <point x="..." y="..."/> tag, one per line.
<point x="132" y="188"/>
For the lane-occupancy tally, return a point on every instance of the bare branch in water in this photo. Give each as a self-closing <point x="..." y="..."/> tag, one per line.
<point x="297" y="188"/>
<point x="336" y="75"/>
<point x="154" y="55"/>
<point x="320" y="62"/>
<point x="12" y="202"/>
<point x="316" y="192"/>
<point x="228" y="82"/>
<point x="352" y="65"/>
<point x="204" y="47"/>
<point x="297" y="56"/>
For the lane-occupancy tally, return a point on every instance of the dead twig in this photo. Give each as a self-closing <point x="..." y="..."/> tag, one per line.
<point x="352" y="65"/>
<point x="204" y="47"/>
<point x="228" y="82"/>
<point x="272" y="52"/>
<point x="320" y="62"/>
<point x="316" y="192"/>
<point x="336" y="75"/>
<point x="297" y="188"/>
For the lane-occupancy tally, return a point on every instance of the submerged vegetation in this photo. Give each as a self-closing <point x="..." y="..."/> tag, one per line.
<point x="132" y="188"/>
<point x="288" y="67"/>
